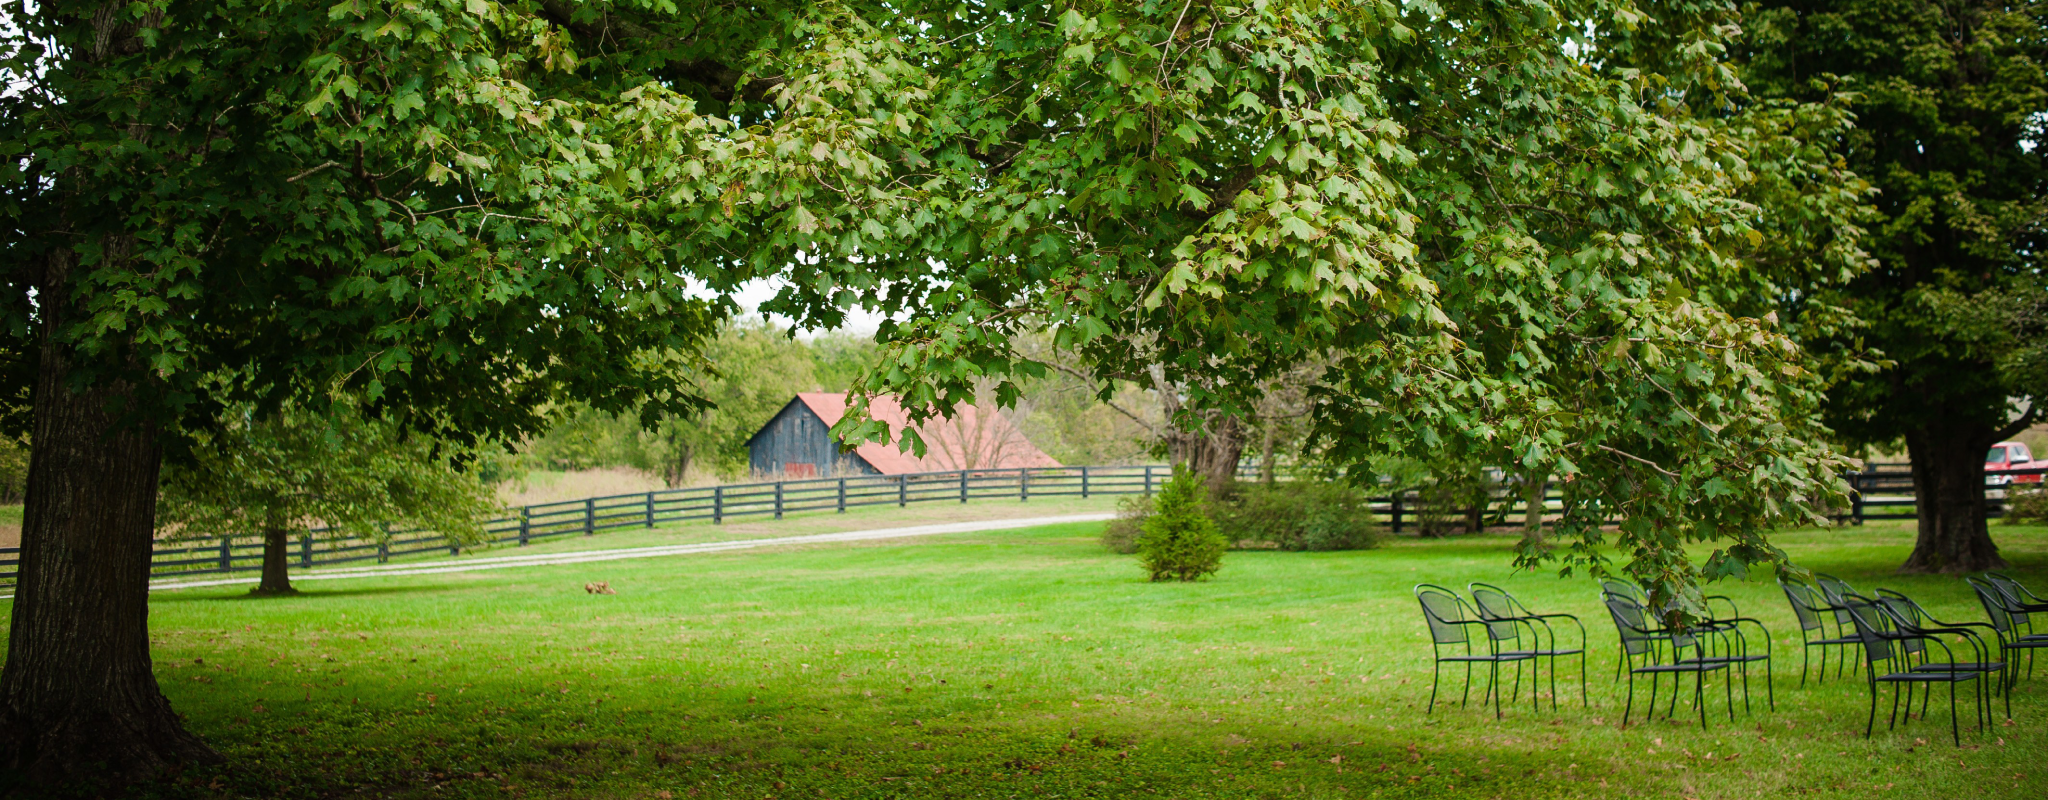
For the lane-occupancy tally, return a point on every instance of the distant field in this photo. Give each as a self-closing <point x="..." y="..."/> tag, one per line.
<point x="1012" y="664"/>
<point x="10" y="526"/>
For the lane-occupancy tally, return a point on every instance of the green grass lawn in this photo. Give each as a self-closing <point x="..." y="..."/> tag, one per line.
<point x="1013" y="664"/>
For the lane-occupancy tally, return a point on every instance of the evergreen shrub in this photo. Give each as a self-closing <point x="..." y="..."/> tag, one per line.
<point x="1179" y="542"/>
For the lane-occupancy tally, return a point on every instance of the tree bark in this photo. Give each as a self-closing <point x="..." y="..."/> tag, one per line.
<point x="277" y="555"/>
<point x="1533" y="484"/>
<point x="79" y="701"/>
<point x="1948" y="492"/>
<point x="1212" y="452"/>
<point x="1268" y="474"/>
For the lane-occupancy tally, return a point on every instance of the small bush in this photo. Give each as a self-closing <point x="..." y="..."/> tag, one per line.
<point x="1299" y="515"/>
<point x="1179" y="541"/>
<point x="2026" y="505"/>
<point x="1121" y="535"/>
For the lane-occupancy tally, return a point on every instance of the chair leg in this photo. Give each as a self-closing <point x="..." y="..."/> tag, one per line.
<point x="1583" y="700"/>
<point x="1803" y="651"/>
<point x="1699" y="697"/>
<point x="1467" y="696"/>
<point x="1436" y="672"/>
<point x="1631" y="700"/>
<point x="1493" y="687"/>
<point x="1672" y="708"/>
<point x="1770" y="691"/>
<point x="1871" y="724"/>
<point x="1955" y="731"/>
<point x="1553" y="679"/>
<point x="1728" y="689"/>
<point x="1894" y="722"/>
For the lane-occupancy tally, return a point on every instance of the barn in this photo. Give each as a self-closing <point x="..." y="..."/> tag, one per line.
<point x="797" y="442"/>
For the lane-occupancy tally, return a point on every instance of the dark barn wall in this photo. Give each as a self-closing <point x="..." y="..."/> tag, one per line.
<point x="798" y="436"/>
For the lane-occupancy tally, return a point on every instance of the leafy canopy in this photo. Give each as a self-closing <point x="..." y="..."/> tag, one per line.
<point x="1532" y="232"/>
<point x="351" y="476"/>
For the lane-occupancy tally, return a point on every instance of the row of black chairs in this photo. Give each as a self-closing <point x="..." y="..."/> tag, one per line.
<point x="1897" y="639"/>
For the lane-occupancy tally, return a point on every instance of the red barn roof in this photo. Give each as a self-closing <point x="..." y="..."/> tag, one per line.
<point x="972" y="438"/>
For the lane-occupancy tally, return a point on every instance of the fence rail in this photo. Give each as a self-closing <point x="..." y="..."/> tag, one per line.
<point x="1876" y="495"/>
<point x="716" y="504"/>
<point x="1885" y="491"/>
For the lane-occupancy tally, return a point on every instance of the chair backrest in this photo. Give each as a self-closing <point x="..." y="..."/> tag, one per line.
<point x="1624" y="589"/>
<point x="2003" y="581"/>
<point x="1498" y="609"/>
<point x="1443" y="610"/>
<point x="1994" y="605"/>
<point x="1632" y="624"/>
<point x="1805" y="604"/>
<point x="1832" y="588"/>
<point x="2010" y="590"/>
<point x="1906" y="617"/>
<point x="1868" y="620"/>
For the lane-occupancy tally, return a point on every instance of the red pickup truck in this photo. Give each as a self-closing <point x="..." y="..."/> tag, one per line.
<point x="2011" y="455"/>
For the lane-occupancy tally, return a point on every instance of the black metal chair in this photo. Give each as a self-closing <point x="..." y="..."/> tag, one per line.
<point x="1507" y="617"/>
<point x="1813" y="614"/>
<point x="1909" y="617"/>
<point x="1723" y="638"/>
<point x="1641" y="638"/>
<point x="1450" y="623"/>
<point x="1833" y="589"/>
<point x="1883" y="655"/>
<point x="2014" y="627"/>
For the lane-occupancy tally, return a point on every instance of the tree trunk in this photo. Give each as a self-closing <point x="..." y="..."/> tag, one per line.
<point x="78" y="699"/>
<point x="277" y="555"/>
<point x="1475" y="513"/>
<point x="1948" y="493"/>
<point x="1212" y="452"/>
<point x="1267" y="472"/>
<point x="1532" y="506"/>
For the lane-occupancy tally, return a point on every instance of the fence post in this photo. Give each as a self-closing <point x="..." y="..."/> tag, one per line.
<point x="224" y="554"/>
<point x="650" y="509"/>
<point x="384" y="550"/>
<point x="525" y="524"/>
<point x="1148" y="480"/>
<point x="589" y="516"/>
<point x="902" y="491"/>
<point x="963" y="486"/>
<point x="1856" y="488"/>
<point x="1023" y="484"/>
<point x="778" y="499"/>
<point x="454" y="549"/>
<point x="1397" y="510"/>
<point x="306" y="549"/>
<point x="842" y="495"/>
<point x="1084" y="483"/>
<point x="718" y="504"/>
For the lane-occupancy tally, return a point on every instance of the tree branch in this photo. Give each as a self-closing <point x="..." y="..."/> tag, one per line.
<point x="1641" y="460"/>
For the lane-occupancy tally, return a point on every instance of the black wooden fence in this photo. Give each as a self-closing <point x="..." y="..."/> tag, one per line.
<point x="1882" y="491"/>
<point x="1885" y="491"/>
<point x="588" y="516"/>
